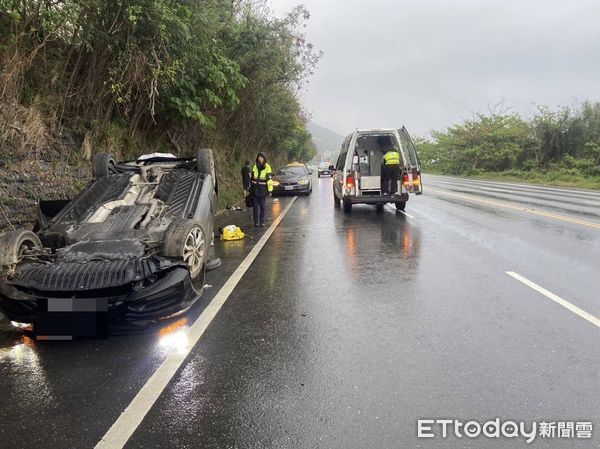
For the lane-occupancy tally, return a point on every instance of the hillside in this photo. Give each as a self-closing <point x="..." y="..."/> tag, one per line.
<point x="164" y="76"/>
<point x="325" y="140"/>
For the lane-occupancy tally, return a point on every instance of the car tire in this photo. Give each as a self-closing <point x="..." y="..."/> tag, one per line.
<point x="347" y="206"/>
<point x="185" y="240"/>
<point x="380" y="208"/>
<point x="102" y="165"/>
<point x="13" y="244"/>
<point x="401" y="205"/>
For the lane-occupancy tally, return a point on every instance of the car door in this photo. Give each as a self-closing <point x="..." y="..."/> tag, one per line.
<point x="414" y="166"/>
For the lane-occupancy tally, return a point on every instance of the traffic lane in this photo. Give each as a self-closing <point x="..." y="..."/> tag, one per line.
<point x="67" y="394"/>
<point x="348" y="328"/>
<point x="584" y="194"/>
<point x="552" y="201"/>
<point x="560" y="256"/>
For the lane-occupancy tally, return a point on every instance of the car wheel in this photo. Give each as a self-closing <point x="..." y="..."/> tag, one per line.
<point x="185" y="240"/>
<point x="380" y="208"/>
<point x="347" y="206"/>
<point x="401" y="205"/>
<point x="14" y="245"/>
<point x="102" y="165"/>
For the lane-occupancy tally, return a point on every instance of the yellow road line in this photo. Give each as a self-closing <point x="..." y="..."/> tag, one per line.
<point x="590" y="224"/>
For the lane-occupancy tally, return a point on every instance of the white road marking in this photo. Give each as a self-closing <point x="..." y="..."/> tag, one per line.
<point x="120" y="432"/>
<point x="594" y="203"/>
<point x="399" y="211"/>
<point x="548" y="294"/>
<point x="404" y="213"/>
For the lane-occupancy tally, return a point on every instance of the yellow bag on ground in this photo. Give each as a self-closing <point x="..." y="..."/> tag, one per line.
<point x="232" y="232"/>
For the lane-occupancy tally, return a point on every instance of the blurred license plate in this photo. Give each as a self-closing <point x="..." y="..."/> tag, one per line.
<point x="68" y="318"/>
<point x="288" y="187"/>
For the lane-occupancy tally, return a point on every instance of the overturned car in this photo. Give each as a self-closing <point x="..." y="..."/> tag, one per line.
<point x="129" y="250"/>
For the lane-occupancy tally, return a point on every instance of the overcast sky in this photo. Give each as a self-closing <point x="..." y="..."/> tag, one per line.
<point x="430" y="63"/>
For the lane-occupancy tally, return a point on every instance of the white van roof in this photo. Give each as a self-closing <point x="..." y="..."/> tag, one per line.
<point x="377" y="130"/>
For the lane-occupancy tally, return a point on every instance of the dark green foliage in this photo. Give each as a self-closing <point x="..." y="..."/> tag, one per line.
<point x="219" y="72"/>
<point x="565" y="142"/>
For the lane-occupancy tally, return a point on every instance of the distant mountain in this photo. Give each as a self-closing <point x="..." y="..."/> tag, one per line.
<point x="328" y="142"/>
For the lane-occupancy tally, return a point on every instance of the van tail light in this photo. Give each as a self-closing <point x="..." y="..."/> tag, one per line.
<point x="416" y="180"/>
<point x="406" y="180"/>
<point x="350" y="182"/>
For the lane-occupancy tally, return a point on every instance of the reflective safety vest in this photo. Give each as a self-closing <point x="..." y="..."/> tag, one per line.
<point x="392" y="157"/>
<point x="261" y="182"/>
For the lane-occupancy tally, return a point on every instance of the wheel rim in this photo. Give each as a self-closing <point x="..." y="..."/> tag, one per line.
<point x="193" y="251"/>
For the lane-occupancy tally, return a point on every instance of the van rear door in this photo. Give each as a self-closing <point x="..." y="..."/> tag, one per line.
<point x="413" y="161"/>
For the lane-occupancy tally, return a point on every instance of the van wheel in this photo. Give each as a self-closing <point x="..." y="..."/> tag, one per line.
<point x="401" y="205"/>
<point x="380" y="208"/>
<point x="347" y="206"/>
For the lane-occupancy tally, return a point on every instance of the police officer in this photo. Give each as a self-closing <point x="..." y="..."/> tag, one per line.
<point x="261" y="186"/>
<point x="390" y="172"/>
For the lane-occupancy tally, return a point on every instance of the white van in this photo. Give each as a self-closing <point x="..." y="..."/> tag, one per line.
<point x="357" y="177"/>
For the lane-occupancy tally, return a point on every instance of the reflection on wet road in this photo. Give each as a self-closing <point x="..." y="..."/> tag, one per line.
<point x="345" y="330"/>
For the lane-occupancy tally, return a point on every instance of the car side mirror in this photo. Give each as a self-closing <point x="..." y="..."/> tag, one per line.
<point x="331" y="167"/>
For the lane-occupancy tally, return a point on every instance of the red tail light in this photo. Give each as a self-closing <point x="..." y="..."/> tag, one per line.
<point x="350" y="182"/>
<point x="406" y="180"/>
<point x="416" y="180"/>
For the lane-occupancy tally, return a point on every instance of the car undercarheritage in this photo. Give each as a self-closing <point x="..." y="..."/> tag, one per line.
<point x="134" y="244"/>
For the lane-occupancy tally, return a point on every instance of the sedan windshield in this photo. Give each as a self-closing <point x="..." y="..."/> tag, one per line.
<point x="288" y="170"/>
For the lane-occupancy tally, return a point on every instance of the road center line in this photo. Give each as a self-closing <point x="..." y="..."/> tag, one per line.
<point x="529" y="210"/>
<point x="548" y="294"/>
<point x="119" y="433"/>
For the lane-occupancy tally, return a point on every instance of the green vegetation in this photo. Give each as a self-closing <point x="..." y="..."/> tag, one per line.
<point x="559" y="147"/>
<point x="134" y="76"/>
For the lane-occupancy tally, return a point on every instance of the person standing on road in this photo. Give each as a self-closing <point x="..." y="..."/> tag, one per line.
<point x="261" y="186"/>
<point x="390" y="172"/>
<point x="246" y="176"/>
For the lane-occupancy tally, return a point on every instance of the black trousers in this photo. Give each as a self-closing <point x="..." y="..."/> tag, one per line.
<point x="389" y="178"/>
<point x="259" y="209"/>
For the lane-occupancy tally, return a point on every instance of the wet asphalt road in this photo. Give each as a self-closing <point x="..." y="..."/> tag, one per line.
<point x="348" y="328"/>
